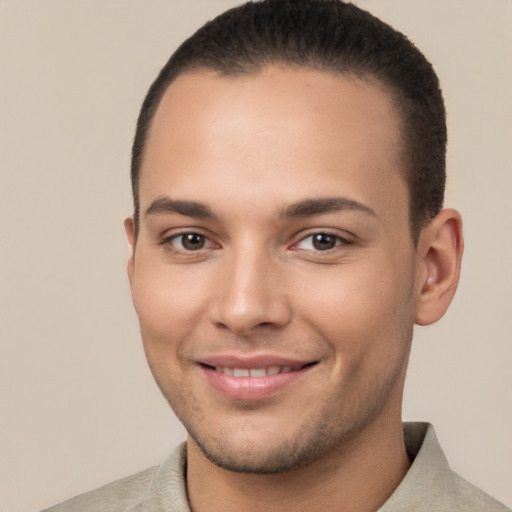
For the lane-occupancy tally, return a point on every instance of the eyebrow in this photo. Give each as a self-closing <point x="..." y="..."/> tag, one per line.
<point x="165" y="205"/>
<point x="320" y="206"/>
<point x="305" y="208"/>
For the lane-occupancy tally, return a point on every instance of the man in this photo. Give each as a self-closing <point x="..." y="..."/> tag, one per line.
<point x="288" y="174"/>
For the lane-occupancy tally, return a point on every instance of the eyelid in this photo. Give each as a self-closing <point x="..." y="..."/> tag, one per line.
<point x="341" y="240"/>
<point x="166" y="241"/>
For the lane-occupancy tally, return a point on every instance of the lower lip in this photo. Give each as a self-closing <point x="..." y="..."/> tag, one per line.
<point x="251" y="388"/>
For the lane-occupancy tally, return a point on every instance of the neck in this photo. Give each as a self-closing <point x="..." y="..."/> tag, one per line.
<point x="360" y="477"/>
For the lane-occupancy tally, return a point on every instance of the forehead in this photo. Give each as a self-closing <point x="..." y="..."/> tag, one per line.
<point x="277" y="128"/>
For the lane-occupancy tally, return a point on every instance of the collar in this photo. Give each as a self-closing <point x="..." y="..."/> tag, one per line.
<point x="429" y="474"/>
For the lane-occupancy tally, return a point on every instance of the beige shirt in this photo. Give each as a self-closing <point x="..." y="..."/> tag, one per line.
<point x="430" y="485"/>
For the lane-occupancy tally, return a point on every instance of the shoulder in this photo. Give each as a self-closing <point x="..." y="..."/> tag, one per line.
<point x="430" y="483"/>
<point x="465" y="496"/>
<point x="157" y="488"/>
<point x="125" y="495"/>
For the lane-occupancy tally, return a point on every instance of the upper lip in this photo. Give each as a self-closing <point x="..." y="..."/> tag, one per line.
<point x="252" y="361"/>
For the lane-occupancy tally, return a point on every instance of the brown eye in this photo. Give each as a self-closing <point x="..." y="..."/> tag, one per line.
<point x="189" y="244"/>
<point x="324" y="242"/>
<point x="318" y="242"/>
<point x="192" y="241"/>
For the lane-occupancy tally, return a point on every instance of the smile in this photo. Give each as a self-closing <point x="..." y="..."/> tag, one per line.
<point x="256" y="372"/>
<point x="240" y="383"/>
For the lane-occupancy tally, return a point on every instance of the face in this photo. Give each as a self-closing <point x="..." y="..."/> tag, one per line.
<point x="274" y="270"/>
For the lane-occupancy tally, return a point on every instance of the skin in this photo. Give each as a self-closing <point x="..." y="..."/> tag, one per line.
<point x="250" y="149"/>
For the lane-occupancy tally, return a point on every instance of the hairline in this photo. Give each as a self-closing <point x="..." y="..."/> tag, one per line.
<point x="362" y="75"/>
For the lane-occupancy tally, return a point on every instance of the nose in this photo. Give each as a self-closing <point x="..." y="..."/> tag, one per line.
<point x="250" y="295"/>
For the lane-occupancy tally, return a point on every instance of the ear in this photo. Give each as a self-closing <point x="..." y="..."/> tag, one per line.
<point x="129" y="228"/>
<point x="439" y="253"/>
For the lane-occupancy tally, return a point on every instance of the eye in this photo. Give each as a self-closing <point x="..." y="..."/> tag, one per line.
<point x="320" y="242"/>
<point x="188" y="242"/>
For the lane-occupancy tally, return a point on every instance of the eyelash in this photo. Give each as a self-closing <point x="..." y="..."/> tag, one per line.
<point x="339" y="241"/>
<point x="168" y="242"/>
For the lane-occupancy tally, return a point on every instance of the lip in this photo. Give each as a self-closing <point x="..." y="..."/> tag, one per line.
<point x="252" y="388"/>
<point x="252" y="361"/>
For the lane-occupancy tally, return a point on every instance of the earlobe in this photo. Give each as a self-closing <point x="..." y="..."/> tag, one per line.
<point x="129" y="228"/>
<point x="440" y="250"/>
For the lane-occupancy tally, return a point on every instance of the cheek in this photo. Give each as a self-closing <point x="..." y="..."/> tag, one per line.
<point x="360" y="308"/>
<point x="168" y="304"/>
<point x="166" y="311"/>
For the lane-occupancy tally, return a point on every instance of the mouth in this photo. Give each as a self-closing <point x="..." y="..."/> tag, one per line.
<point x="257" y="372"/>
<point x="249" y="382"/>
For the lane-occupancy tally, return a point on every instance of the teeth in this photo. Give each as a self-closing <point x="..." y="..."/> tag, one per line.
<point x="256" y="372"/>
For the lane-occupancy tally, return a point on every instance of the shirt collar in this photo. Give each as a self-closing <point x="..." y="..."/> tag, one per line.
<point x="168" y="491"/>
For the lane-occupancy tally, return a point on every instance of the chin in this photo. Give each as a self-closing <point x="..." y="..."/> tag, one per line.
<point x="259" y="461"/>
<point x="267" y="453"/>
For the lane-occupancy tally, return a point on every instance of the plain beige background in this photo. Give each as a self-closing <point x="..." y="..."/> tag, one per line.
<point x="78" y="405"/>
